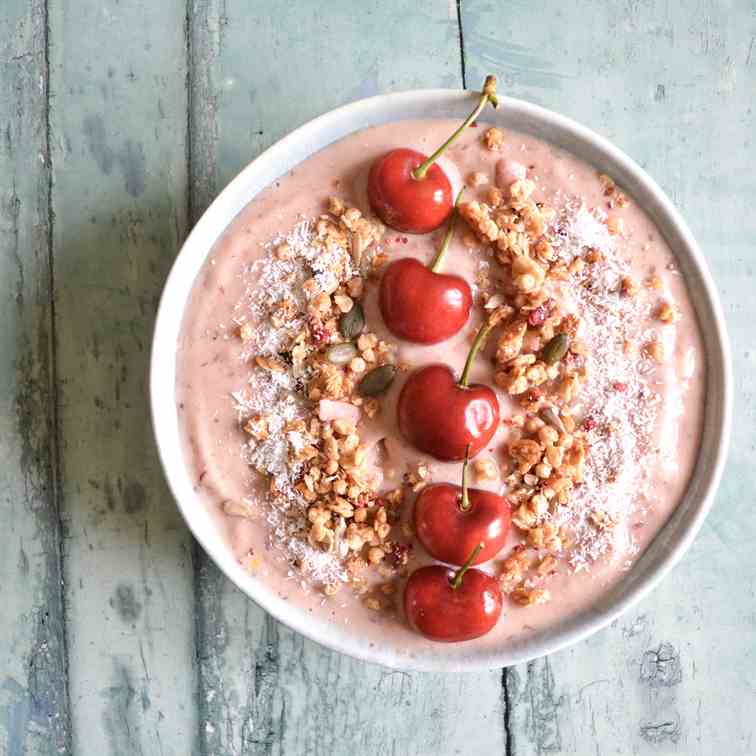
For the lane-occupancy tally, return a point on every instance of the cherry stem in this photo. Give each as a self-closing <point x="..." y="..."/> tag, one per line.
<point x="487" y="95"/>
<point x="485" y="329"/>
<point x="439" y="258"/>
<point x="456" y="581"/>
<point x="464" y="505"/>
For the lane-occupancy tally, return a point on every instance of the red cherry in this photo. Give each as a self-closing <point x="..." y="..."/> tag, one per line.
<point x="441" y="417"/>
<point x="420" y="304"/>
<point x="403" y="202"/>
<point x="443" y="606"/>
<point x="408" y="191"/>
<point x="450" y="521"/>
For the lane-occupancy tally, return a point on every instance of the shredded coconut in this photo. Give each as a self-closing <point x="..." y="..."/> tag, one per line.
<point x="270" y="281"/>
<point x="616" y="395"/>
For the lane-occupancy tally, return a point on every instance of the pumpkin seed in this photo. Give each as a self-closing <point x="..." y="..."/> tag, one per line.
<point x="555" y="349"/>
<point x="377" y="381"/>
<point x="341" y="354"/>
<point x="550" y="417"/>
<point x="352" y="323"/>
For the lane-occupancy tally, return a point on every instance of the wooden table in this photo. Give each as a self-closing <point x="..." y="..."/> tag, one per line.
<point x="119" y="122"/>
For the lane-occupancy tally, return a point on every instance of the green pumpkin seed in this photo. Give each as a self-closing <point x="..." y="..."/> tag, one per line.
<point x="352" y="323"/>
<point x="555" y="349"/>
<point x="341" y="354"/>
<point x="377" y="381"/>
<point x="550" y="417"/>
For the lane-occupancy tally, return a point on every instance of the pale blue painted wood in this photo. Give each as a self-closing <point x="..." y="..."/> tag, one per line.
<point x="674" y="84"/>
<point x="671" y="83"/>
<point x="257" y="73"/>
<point x="33" y="704"/>
<point x="118" y="119"/>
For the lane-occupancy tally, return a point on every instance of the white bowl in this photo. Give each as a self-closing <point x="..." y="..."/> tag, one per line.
<point x="671" y="542"/>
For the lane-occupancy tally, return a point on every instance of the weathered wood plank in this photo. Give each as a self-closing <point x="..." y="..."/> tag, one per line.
<point x="118" y="77"/>
<point x="265" y="690"/>
<point x="33" y="695"/>
<point x="673" y="85"/>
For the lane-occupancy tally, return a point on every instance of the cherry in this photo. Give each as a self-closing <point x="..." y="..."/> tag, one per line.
<point x="449" y="606"/>
<point x="441" y="417"/>
<point x="420" y="304"/>
<point x="450" y="521"/>
<point x="408" y="191"/>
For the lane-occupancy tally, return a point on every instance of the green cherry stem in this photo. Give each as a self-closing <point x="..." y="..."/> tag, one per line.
<point x="464" y="505"/>
<point x="485" y="329"/>
<point x="487" y="95"/>
<point x="456" y="581"/>
<point x="439" y="258"/>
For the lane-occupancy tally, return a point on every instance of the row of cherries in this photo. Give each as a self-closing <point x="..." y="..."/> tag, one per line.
<point x="439" y="415"/>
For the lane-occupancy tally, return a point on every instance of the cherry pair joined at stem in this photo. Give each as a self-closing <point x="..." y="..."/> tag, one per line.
<point x="410" y="192"/>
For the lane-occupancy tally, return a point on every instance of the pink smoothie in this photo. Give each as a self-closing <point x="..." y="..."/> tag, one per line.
<point x="210" y="370"/>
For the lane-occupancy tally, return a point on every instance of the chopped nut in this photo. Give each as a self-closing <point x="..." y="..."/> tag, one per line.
<point x="283" y="252"/>
<point x="547" y="565"/>
<point x="628" y="287"/>
<point x="343" y="302"/>
<point x="666" y="313"/>
<point x="335" y="206"/>
<point x="493" y="138"/>
<point x="331" y="589"/>
<point x="355" y="287"/>
<point x="311" y="287"/>
<point x="257" y="427"/>
<point x="607" y="183"/>
<point x="543" y="470"/>
<point x="526" y="453"/>
<point x="615" y="225"/>
<point x="270" y="363"/>
<point x="246" y="332"/>
<point x="343" y="427"/>
<point x="486" y="469"/>
<point x="495" y="196"/>
<point x="357" y="365"/>
<point x="479" y="219"/>
<point x="515" y="567"/>
<point x="531" y="596"/>
<point x="654" y="349"/>
<point x="593" y="256"/>
<point x="548" y="435"/>
<point x="510" y="341"/>
<point x="527" y="274"/>
<point x="602" y="520"/>
<point x="654" y="282"/>
<point x="476" y="179"/>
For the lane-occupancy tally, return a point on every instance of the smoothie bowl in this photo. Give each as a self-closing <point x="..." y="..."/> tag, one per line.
<point x="480" y="398"/>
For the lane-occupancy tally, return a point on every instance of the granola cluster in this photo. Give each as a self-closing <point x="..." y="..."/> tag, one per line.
<point x="540" y="362"/>
<point x="325" y="361"/>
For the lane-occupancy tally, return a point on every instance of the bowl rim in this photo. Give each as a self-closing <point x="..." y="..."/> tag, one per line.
<point x="718" y="360"/>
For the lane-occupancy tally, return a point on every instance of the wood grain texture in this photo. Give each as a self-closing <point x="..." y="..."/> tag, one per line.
<point x="673" y="84"/>
<point x="264" y="689"/>
<point x="119" y="105"/>
<point x="33" y="696"/>
<point x="94" y="196"/>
